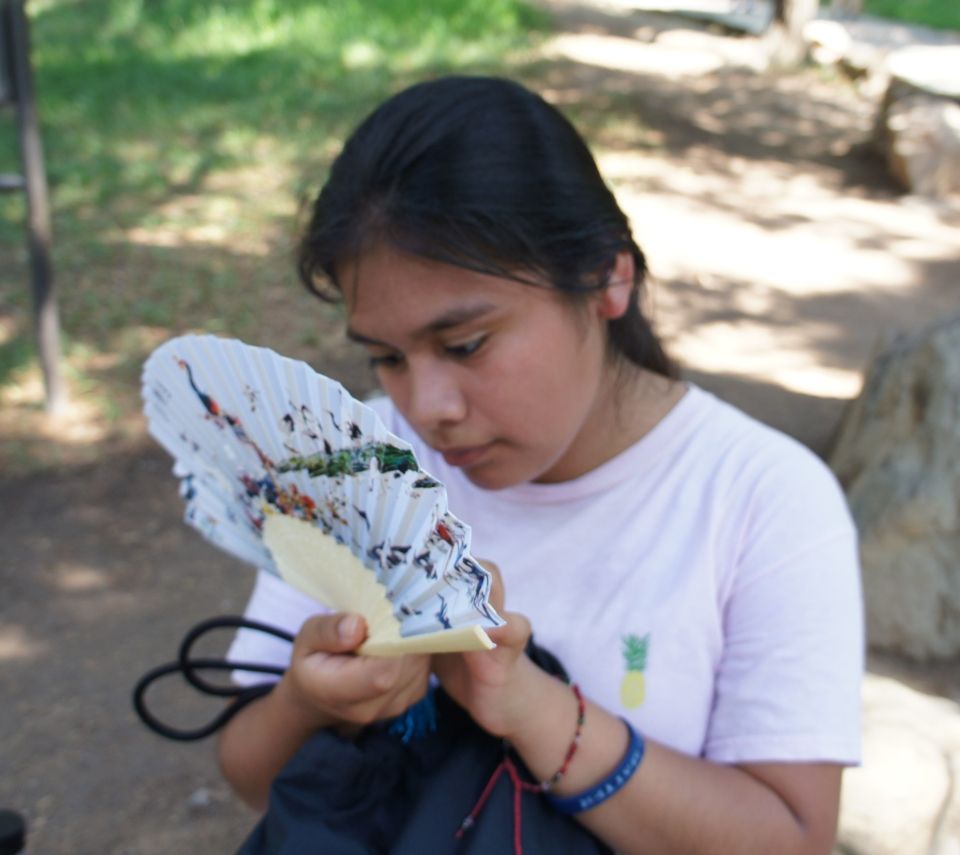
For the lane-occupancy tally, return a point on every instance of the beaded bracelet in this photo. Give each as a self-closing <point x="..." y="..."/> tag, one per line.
<point x="608" y="786"/>
<point x="548" y="785"/>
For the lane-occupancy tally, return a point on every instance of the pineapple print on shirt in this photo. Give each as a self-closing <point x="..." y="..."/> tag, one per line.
<point x="632" y="688"/>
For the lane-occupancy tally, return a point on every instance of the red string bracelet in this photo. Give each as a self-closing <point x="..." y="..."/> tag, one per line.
<point x="519" y="785"/>
<point x="554" y="779"/>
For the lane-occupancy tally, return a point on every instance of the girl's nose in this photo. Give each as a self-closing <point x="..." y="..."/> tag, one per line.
<point x="435" y="395"/>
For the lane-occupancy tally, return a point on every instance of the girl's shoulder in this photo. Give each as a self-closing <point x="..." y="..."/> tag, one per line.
<point x="767" y="472"/>
<point x="704" y="436"/>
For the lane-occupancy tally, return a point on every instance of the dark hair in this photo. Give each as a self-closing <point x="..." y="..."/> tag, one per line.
<point x="483" y="174"/>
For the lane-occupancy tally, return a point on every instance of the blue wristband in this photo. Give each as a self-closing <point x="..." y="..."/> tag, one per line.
<point x="610" y="785"/>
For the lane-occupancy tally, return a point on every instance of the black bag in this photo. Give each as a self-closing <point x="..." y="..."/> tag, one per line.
<point x="379" y="794"/>
<point x="449" y="789"/>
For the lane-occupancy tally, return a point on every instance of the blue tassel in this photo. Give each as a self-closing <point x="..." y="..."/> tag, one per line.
<point x="417" y="721"/>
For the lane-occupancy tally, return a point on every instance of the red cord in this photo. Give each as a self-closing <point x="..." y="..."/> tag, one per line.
<point x="519" y="785"/>
<point x="478" y="805"/>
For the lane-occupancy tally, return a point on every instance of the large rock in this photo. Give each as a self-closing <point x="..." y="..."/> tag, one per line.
<point x="918" y="126"/>
<point x="898" y="456"/>
<point x="904" y="799"/>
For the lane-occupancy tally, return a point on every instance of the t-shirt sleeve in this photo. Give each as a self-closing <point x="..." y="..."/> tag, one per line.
<point x="276" y="603"/>
<point x="788" y="681"/>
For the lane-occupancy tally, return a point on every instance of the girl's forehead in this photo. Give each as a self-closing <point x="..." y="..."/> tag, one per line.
<point x="389" y="292"/>
<point x="433" y="320"/>
<point x="387" y="276"/>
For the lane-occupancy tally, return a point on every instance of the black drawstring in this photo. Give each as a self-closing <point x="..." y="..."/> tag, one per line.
<point x="189" y="668"/>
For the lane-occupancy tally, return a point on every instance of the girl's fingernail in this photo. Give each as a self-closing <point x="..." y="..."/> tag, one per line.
<point x="347" y="628"/>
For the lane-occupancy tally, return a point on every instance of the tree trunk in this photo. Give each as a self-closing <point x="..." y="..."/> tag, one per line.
<point x="786" y="45"/>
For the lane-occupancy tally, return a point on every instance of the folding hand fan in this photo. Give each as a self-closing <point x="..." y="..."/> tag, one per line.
<point x="281" y="467"/>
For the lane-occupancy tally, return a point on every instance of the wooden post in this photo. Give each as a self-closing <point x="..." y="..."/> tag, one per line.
<point x="784" y="37"/>
<point x="46" y="319"/>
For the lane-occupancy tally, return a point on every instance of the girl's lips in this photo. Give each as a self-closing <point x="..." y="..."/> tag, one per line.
<point x="466" y="456"/>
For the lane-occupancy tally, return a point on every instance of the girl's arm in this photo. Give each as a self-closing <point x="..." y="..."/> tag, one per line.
<point x="673" y="803"/>
<point x="326" y="685"/>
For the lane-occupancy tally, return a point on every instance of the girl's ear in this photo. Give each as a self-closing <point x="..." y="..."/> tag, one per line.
<point x="614" y="299"/>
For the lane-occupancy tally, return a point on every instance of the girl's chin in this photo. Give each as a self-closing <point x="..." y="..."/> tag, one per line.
<point x="492" y="477"/>
<point x="498" y="476"/>
<point x="493" y="486"/>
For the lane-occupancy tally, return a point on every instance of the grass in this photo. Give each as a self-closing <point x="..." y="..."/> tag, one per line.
<point x="182" y="139"/>
<point x="165" y="93"/>
<point x="940" y="14"/>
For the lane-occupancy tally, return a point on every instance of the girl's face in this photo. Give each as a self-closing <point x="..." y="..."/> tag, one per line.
<point x="508" y="381"/>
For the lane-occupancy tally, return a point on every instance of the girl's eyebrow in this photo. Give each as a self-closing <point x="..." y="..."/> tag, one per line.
<point x="353" y="335"/>
<point x="452" y="318"/>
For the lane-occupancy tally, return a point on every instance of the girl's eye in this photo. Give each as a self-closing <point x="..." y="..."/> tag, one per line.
<point x="387" y="360"/>
<point x="469" y="348"/>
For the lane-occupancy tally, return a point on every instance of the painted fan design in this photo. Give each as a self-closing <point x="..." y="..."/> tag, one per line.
<point x="281" y="467"/>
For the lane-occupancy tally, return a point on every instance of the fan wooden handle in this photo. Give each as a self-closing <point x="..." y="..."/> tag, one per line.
<point x="328" y="572"/>
<point x="457" y="640"/>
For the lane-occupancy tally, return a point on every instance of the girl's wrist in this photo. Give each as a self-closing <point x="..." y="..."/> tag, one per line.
<point x="297" y="712"/>
<point x="538" y="695"/>
<point x="552" y="720"/>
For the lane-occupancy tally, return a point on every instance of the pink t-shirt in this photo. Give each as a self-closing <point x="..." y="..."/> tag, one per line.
<point x="715" y="556"/>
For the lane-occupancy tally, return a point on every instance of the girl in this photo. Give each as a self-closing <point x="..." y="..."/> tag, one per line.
<point x="695" y="571"/>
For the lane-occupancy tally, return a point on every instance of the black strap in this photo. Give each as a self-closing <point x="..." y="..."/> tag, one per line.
<point x="190" y="667"/>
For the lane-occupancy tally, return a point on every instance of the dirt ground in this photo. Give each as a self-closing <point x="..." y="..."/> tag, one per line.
<point x="782" y="254"/>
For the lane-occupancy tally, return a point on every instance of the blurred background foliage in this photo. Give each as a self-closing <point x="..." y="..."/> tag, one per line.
<point x="182" y="141"/>
<point x="139" y="95"/>
<point x="941" y="14"/>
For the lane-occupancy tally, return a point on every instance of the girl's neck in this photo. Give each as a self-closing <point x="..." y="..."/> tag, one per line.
<point x="632" y="402"/>
<point x="641" y="401"/>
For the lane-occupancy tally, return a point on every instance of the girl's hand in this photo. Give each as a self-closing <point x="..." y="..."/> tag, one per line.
<point x="327" y="685"/>
<point x="492" y="685"/>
